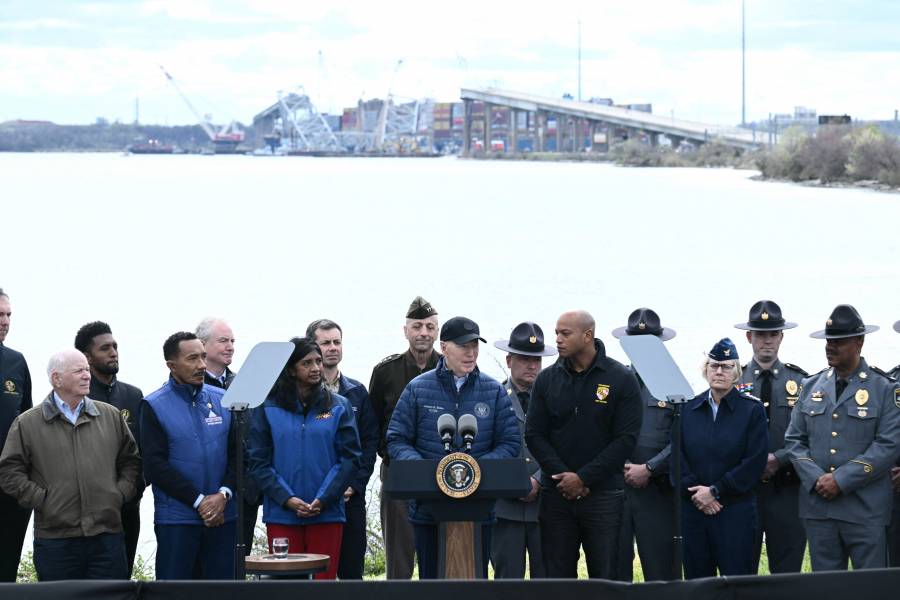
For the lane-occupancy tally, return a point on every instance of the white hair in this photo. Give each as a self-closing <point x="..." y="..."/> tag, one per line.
<point x="204" y="329"/>
<point x="60" y="360"/>
<point x="738" y="371"/>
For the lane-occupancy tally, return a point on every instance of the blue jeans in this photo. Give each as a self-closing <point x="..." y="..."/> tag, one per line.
<point x="99" y="556"/>
<point x="178" y="547"/>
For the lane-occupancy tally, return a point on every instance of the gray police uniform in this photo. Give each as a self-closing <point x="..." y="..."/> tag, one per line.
<point x="855" y="436"/>
<point x="648" y="512"/>
<point x="517" y="529"/>
<point x="776" y="498"/>
<point x="894" y="529"/>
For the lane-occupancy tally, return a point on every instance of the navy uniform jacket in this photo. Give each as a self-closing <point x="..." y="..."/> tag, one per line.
<point x="730" y="452"/>
<point x="15" y="389"/>
<point x="856" y="437"/>
<point x="786" y="380"/>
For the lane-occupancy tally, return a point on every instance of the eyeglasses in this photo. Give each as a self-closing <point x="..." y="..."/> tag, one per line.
<point x="726" y="367"/>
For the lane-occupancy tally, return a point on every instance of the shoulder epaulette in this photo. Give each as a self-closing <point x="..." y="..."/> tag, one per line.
<point x="750" y="396"/>
<point x="882" y="373"/>
<point x="796" y="368"/>
<point x="895" y="370"/>
<point x="388" y="359"/>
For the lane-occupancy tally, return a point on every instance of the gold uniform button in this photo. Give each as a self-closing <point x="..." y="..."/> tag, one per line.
<point x="833" y="451"/>
<point x="867" y="469"/>
<point x="831" y="469"/>
<point x="834" y="416"/>
<point x="833" y="434"/>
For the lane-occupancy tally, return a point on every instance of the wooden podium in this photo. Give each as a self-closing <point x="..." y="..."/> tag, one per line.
<point x="458" y="519"/>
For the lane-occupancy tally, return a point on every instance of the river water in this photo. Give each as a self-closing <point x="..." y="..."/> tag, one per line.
<point x="152" y="244"/>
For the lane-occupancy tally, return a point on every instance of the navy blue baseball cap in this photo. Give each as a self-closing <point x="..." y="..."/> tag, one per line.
<point x="461" y="330"/>
<point x="724" y="350"/>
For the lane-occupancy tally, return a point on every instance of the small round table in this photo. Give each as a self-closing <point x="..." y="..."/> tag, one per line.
<point x="294" y="566"/>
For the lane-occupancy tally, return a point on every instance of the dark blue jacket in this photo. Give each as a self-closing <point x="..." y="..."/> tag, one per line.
<point x="367" y="426"/>
<point x="412" y="433"/>
<point x="187" y="450"/>
<point x="15" y="389"/>
<point x="730" y="452"/>
<point x="309" y="455"/>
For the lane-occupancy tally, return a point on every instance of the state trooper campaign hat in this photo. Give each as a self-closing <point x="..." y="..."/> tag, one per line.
<point x="843" y="322"/>
<point x="724" y="349"/>
<point x="897" y="326"/>
<point x="526" y="339"/>
<point x="461" y="330"/>
<point x="420" y="308"/>
<point x="765" y="315"/>
<point x="644" y="321"/>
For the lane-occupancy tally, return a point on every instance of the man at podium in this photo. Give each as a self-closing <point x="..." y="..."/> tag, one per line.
<point x="454" y="387"/>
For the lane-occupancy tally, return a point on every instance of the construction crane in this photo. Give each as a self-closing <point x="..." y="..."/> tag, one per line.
<point x="226" y="140"/>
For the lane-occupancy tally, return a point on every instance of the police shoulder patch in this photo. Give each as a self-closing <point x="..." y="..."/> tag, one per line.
<point x="897" y="397"/>
<point x="796" y="368"/>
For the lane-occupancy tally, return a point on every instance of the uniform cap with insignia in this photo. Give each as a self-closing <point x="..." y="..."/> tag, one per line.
<point x="420" y="309"/>
<point x="724" y="349"/>
<point x="526" y="339"/>
<point x="644" y="321"/>
<point x="765" y="315"/>
<point x="844" y="322"/>
<point x="897" y="326"/>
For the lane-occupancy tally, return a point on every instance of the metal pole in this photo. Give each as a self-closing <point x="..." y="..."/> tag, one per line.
<point x="579" y="60"/>
<point x="743" y="66"/>
<point x="238" y="413"/>
<point x="677" y="540"/>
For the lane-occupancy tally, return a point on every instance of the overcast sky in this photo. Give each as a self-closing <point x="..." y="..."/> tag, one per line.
<point x="71" y="62"/>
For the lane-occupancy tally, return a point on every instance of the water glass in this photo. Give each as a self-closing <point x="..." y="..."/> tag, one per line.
<point x="280" y="546"/>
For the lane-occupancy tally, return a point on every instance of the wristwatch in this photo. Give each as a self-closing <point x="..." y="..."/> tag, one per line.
<point x="649" y="468"/>
<point x="714" y="491"/>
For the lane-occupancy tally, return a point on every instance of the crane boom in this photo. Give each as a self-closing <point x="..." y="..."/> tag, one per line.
<point x="203" y="122"/>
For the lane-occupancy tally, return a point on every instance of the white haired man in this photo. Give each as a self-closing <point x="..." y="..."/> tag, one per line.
<point x="75" y="462"/>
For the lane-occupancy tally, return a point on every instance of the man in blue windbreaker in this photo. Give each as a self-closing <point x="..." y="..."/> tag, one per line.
<point x="189" y="457"/>
<point x="457" y="387"/>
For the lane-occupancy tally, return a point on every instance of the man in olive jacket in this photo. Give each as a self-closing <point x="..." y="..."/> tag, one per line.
<point x="74" y="462"/>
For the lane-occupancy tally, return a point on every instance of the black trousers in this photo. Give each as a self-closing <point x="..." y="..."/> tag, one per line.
<point x="778" y="515"/>
<point x="131" y="525"/>
<point x="13" y="525"/>
<point x="647" y="517"/>
<point x="893" y="541"/>
<point x="96" y="557"/>
<point x="353" y="542"/>
<point x="427" y="540"/>
<point x="592" y="522"/>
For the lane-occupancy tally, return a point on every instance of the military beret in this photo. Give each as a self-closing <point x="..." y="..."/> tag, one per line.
<point x="420" y="309"/>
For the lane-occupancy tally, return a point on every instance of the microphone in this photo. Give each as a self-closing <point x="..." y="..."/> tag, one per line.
<point x="446" y="425"/>
<point x="468" y="429"/>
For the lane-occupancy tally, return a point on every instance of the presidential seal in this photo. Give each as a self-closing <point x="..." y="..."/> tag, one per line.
<point x="458" y="475"/>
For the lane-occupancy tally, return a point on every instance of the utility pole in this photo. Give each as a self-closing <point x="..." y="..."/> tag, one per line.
<point x="743" y="64"/>
<point x="579" y="60"/>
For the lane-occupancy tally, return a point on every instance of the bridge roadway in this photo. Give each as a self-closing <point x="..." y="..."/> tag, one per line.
<point x="674" y="129"/>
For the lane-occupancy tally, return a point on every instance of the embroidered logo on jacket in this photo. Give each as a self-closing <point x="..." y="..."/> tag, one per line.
<point x="602" y="393"/>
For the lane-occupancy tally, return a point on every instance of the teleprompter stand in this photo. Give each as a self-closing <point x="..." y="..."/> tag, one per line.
<point x="663" y="379"/>
<point x="248" y="390"/>
<point x="458" y="519"/>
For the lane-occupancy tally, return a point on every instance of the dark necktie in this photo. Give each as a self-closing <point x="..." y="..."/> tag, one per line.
<point x="765" y="391"/>
<point x="839" y="386"/>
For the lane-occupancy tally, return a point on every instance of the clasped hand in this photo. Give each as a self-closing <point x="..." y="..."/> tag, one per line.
<point x="212" y="510"/>
<point x="304" y="510"/>
<point x="703" y="499"/>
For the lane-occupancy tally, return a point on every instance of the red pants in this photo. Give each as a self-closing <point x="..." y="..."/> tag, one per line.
<point x="324" y="538"/>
